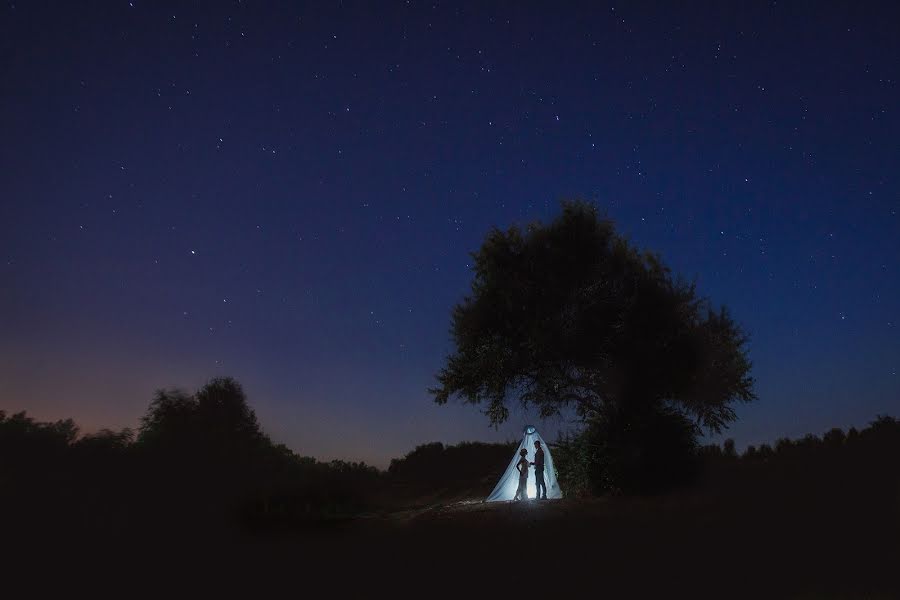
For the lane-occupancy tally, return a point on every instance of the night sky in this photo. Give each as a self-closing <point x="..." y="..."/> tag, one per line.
<point x="289" y="195"/>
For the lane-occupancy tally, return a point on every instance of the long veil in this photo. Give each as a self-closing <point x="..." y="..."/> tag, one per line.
<point x="509" y="481"/>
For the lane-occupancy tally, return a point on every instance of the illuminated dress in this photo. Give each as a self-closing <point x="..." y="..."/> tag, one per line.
<point x="509" y="481"/>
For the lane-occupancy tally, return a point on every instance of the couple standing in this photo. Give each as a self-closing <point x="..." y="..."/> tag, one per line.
<point x="522" y="466"/>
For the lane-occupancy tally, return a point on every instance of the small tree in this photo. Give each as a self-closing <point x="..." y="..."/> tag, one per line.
<point x="783" y="446"/>
<point x="728" y="449"/>
<point x="834" y="438"/>
<point x="210" y="440"/>
<point x="215" y="419"/>
<point x="765" y="452"/>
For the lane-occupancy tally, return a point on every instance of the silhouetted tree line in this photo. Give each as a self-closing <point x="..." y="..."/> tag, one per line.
<point x="663" y="454"/>
<point x="435" y="471"/>
<point x="196" y="460"/>
<point x="852" y="475"/>
<point x="202" y="460"/>
<point x="882" y="435"/>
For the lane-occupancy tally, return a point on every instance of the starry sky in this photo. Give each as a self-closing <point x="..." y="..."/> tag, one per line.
<point x="289" y="194"/>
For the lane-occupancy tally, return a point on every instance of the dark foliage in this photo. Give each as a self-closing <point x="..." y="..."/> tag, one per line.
<point x="622" y="454"/>
<point x="435" y="471"/>
<point x="32" y="450"/>
<point x="201" y="462"/>
<point x="466" y="461"/>
<point x="570" y="315"/>
<point x="859" y="467"/>
<point x="882" y="435"/>
<point x="198" y="461"/>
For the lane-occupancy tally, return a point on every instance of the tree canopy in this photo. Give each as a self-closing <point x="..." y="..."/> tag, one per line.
<point x="570" y="314"/>
<point x="218" y="414"/>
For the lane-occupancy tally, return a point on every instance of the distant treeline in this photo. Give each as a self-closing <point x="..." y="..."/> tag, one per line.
<point x="857" y="471"/>
<point x="433" y="472"/>
<point x="202" y="460"/>
<point x="196" y="461"/>
<point x="882" y="434"/>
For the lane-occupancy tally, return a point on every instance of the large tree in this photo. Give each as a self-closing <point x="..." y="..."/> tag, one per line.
<point x="570" y="314"/>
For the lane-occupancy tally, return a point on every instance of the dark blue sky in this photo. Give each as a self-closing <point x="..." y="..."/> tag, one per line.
<point x="288" y="194"/>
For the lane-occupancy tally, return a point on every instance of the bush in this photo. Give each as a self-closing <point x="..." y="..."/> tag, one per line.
<point x="644" y="453"/>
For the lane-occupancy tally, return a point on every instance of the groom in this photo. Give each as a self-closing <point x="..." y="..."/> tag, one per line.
<point x="539" y="471"/>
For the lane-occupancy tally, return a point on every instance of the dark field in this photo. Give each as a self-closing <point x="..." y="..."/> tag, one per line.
<point x="816" y="537"/>
<point x="764" y="533"/>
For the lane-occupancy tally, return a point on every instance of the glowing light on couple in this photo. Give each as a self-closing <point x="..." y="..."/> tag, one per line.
<point x="506" y="487"/>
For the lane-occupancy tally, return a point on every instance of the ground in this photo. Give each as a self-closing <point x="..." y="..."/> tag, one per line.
<point x="795" y="534"/>
<point x="680" y="545"/>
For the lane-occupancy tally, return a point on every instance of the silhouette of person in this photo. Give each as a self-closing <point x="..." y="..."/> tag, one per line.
<point x="539" y="471"/>
<point x="522" y="466"/>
